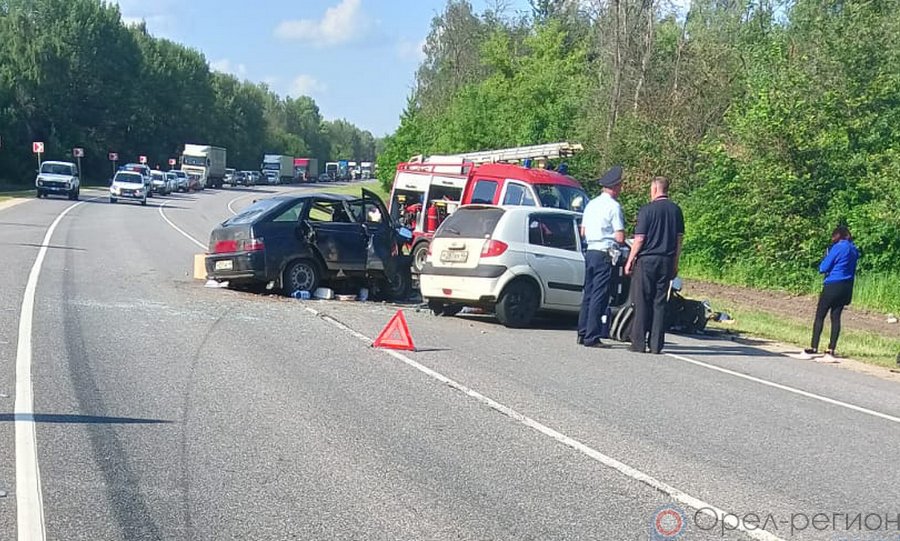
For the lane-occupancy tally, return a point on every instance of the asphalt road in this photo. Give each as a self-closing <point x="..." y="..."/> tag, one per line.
<point x="166" y="410"/>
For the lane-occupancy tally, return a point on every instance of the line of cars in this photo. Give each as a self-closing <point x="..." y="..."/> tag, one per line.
<point x="137" y="182"/>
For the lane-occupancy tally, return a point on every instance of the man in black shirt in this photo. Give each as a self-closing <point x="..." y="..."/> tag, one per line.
<point x="654" y="262"/>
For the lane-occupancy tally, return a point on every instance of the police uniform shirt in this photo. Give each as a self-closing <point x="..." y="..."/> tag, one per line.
<point x="602" y="218"/>
<point x="659" y="223"/>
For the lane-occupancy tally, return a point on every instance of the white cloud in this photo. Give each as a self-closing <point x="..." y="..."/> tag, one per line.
<point x="306" y="85"/>
<point x="411" y="50"/>
<point x="340" y="24"/>
<point x="225" y="66"/>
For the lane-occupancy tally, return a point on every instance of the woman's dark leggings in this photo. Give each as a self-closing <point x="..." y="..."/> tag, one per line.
<point x="834" y="298"/>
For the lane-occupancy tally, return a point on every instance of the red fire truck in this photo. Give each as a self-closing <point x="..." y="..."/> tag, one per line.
<point x="427" y="190"/>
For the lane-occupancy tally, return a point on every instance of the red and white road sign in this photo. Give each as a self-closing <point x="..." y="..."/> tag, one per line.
<point x="143" y="159"/>
<point x="37" y="147"/>
<point x="78" y="152"/>
<point x="113" y="156"/>
<point x="172" y="161"/>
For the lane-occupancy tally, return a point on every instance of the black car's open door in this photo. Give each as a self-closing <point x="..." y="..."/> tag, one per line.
<point x="381" y="254"/>
<point x="340" y="240"/>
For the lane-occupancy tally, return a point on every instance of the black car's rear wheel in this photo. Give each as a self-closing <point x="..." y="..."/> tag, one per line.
<point x="397" y="286"/>
<point x="302" y="275"/>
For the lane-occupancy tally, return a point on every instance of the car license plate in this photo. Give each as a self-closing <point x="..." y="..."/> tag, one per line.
<point x="224" y="265"/>
<point x="454" y="257"/>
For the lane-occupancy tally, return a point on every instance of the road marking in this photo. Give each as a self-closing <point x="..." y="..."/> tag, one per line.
<point x="787" y="388"/>
<point x="679" y="496"/>
<point x="176" y="228"/>
<point x="29" y="501"/>
<point x="235" y="200"/>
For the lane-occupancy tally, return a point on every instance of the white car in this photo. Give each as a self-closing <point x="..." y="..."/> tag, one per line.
<point x="516" y="261"/>
<point x="58" y="178"/>
<point x="176" y="183"/>
<point x="161" y="183"/>
<point x="128" y="185"/>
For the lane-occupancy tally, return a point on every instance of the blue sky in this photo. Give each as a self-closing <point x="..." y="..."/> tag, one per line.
<point x="357" y="58"/>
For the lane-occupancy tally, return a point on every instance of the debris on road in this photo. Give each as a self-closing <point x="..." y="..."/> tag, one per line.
<point x="892" y="319"/>
<point x="216" y="285"/>
<point x="324" y="294"/>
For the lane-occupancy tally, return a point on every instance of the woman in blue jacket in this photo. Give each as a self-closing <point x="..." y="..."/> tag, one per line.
<point x="839" y="268"/>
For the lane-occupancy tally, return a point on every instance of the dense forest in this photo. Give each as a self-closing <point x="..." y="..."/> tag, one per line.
<point x="73" y="75"/>
<point x="775" y="121"/>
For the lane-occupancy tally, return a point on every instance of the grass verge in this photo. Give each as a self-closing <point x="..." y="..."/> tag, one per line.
<point x="879" y="292"/>
<point x="5" y="196"/>
<point x="862" y="346"/>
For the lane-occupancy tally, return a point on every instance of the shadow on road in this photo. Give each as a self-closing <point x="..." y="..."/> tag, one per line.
<point x="717" y="351"/>
<point x="51" y="418"/>
<point x="50" y="246"/>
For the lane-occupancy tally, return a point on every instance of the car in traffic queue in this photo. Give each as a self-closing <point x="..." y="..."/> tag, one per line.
<point x="248" y="178"/>
<point x="514" y="261"/>
<point x="229" y="176"/>
<point x="144" y="171"/>
<point x="160" y="183"/>
<point x="58" y="178"/>
<point x="128" y="185"/>
<point x="180" y="183"/>
<point x="297" y="243"/>
<point x="325" y="177"/>
<point x="192" y="184"/>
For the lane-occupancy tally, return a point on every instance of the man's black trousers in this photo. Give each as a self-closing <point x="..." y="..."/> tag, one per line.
<point x="650" y="291"/>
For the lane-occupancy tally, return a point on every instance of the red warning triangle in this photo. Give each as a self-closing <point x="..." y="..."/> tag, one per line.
<point x="395" y="334"/>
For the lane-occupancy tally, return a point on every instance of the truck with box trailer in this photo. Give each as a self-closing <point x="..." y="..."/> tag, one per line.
<point x="205" y="164"/>
<point x="278" y="169"/>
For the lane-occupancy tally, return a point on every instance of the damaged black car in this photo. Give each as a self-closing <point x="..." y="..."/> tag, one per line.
<point x="299" y="243"/>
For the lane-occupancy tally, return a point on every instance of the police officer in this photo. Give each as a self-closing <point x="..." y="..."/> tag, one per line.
<point x="602" y="227"/>
<point x="654" y="263"/>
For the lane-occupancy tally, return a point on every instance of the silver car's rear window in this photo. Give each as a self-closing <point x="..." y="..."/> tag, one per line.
<point x="471" y="223"/>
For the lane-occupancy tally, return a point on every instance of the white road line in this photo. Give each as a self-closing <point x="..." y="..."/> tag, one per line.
<point x="787" y="388"/>
<point x="29" y="501"/>
<point x="176" y="228"/>
<point x="235" y="200"/>
<point x="679" y="496"/>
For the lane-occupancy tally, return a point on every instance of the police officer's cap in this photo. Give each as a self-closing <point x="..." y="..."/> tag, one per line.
<point x="612" y="178"/>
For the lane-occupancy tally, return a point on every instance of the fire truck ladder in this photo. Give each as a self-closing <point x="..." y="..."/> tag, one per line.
<point x="549" y="151"/>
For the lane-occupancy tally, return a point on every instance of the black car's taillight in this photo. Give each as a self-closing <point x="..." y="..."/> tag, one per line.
<point x="225" y="247"/>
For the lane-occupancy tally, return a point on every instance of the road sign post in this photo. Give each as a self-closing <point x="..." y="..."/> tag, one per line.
<point x="38" y="148"/>
<point x="143" y="160"/>
<point x="78" y="153"/>
<point x="114" y="158"/>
